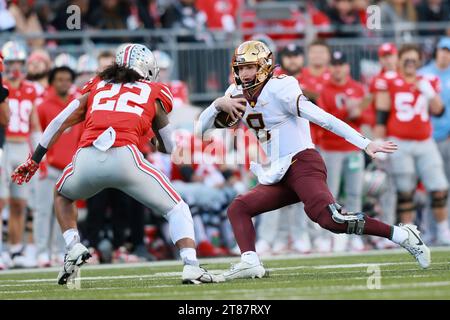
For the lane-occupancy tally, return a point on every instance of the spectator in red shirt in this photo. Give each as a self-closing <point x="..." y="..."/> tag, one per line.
<point x="341" y="97"/>
<point x="314" y="75"/>
<point x="220" y="13"/>
<point x="284" y="29"/>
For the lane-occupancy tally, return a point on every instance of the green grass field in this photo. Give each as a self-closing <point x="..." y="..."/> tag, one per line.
<point x="299" y="277"/>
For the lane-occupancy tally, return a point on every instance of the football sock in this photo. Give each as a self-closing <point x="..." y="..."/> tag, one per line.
<point x="250" y="257"/>
<point x="189" y="256"/>
<point x="71" y="237"/>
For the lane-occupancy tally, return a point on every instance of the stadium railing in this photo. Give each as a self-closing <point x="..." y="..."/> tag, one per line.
<point x="205" y="65"/>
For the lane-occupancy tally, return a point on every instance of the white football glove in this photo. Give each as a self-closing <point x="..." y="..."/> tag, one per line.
<point x="426" y="89"/>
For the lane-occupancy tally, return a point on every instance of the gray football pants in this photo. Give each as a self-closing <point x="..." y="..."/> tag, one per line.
<point x="123" y="168"/>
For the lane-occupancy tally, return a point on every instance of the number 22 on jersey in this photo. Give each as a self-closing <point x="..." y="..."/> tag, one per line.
<point x="116" y="98"/>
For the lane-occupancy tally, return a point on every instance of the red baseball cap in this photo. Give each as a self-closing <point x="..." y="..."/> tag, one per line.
<point x="387" y="48"/>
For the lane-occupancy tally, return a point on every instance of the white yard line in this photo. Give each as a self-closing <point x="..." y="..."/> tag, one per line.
<point x="175" y="275"/>
<point x="169" y="263"/>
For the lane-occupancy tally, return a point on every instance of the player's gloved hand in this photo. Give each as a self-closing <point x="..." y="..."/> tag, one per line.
<point x="426" y="89"/>
<point x="235" y="107"/>
<point x="25" y="171"/>
<point x="43" y="170"/>
<point x="380" y="146"/>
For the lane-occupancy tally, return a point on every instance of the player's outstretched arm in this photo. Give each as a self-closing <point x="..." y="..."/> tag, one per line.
<point x="313" y="113"/>
<point x="74" y="113"/>
<point x="162" y="129"/>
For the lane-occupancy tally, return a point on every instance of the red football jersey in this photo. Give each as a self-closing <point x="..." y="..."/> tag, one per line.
<point x="315" y="84"/>
<point x="61" y="153"/>
<point x="334" y="99"/>
<point x="21" y="102"/>
<point x="129" y="108"/>
<point x="179" y="92"/>
<point x="409" y="118"/>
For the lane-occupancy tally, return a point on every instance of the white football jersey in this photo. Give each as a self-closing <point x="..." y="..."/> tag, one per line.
<point x="275" y="118"/>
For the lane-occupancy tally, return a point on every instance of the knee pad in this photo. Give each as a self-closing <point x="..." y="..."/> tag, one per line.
<point x="355" y="220"/>
<point x="405" y="202"/>
<point x="181" y="224"/>
<point x="439" y="199"/>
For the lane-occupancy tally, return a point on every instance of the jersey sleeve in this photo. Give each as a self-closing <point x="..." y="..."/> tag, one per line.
<point x="288" y="92"/>
<point x="380" y="84"/>
<point x="90" y="85"/>
<point x="165" y="96"/>
<point x="232" y="90"/>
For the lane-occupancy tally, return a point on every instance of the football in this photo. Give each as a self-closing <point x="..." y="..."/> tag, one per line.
<point x="223" y="119"/>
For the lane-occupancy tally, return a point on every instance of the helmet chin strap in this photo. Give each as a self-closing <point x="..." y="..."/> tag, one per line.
<point x="252" y="94"/>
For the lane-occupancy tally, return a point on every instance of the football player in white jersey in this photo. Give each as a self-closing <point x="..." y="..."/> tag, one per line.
<point x="279" y="113"/>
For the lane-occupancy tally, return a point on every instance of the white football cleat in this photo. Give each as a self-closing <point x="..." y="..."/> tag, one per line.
<point x="75" y="258"/>
<point x="303" y="244"/>
<point x="43" y="260"/>
<point x="280" y="247"/>
<point x="416" y="246"/>
<point x="20" y="260"/>
<point x="322" y="244"/>
<point x="3" y="265"/>
<point x="196" y="275"/>
<point x="443" y="237"/>
<point x="356" y="243"/>
<point x="262" y="248"/>
<point x="245" y="270"/>
<point x="340" y="242"/>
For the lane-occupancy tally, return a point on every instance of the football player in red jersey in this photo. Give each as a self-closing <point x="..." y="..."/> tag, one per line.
<point x="4" y="120"/>
<point x="58" y="157"/>
<point x="38" y="67"/>
<point x="279" y="114"/>
<point x="118" y="106"/>
<point x="341" y="96"/>
<point x="23" y="126"/>
<point x="404" y="102"/>
<point x="387" y="55"/>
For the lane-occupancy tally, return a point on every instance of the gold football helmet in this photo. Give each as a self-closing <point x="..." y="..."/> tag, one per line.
<point x="253" y="52"/>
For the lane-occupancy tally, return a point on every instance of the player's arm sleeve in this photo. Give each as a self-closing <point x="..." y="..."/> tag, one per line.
<point x="74" y="113"/>
<point x="207" y="117"/>
<point x="313" y="113"/>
